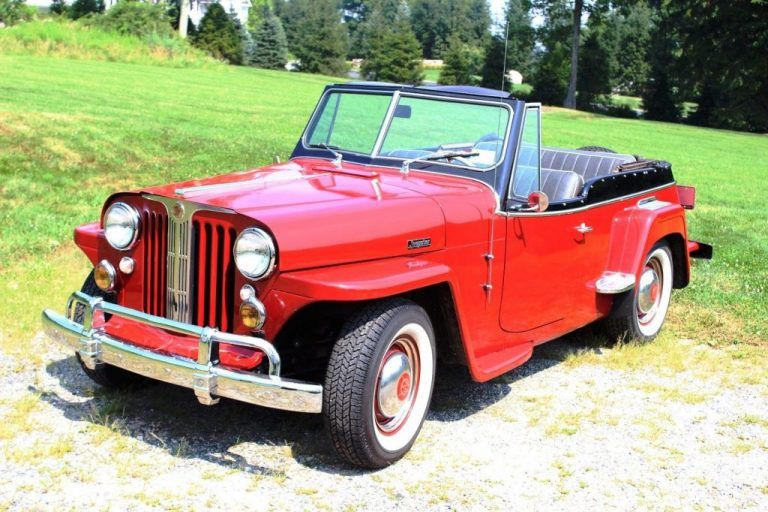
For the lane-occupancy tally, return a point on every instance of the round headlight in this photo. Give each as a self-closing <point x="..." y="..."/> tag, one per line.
<point x="121" y="226"/>
<point x="254" y="253"/>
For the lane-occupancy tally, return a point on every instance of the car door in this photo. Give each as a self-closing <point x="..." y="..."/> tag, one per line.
<point x="549" y="257"/>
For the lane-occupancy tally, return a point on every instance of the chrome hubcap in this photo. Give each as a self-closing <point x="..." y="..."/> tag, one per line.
<point x="396" y="385"/>
<point x="649" y="290"/>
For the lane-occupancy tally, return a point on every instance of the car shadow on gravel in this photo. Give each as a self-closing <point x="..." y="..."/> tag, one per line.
<point x="170" y="418"/>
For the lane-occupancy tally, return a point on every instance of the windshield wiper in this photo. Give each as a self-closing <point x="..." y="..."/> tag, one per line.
<point x="331" y="149"/>
<point x="437" y="155"/>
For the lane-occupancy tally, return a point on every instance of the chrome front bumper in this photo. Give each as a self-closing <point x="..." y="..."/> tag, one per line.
<point x="204" y="376"/>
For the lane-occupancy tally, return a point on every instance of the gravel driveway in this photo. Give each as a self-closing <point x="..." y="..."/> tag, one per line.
<point x="546" y="436"/>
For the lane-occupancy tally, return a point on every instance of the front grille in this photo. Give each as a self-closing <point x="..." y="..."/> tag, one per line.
<point x="214" y="273"/>
<point x="155" y="240"/>
<point x="189" y="270"/>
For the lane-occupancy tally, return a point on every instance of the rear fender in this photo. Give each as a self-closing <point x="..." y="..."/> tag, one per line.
<point x="637" y="229"/>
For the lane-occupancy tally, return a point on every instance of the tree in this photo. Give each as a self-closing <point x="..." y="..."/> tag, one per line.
<point x="570" y="97"/>
<point x="13" y="11"/>
<point x="551" y="77"/>
<point x="660" y="98"/>
<point x="269" y="44"/>
<point x="456" y="65"/>
<point x="723" y="60"/>
<point x="435" y="22"/>
<point x="393" y="53"/>
<point x="80" y="8"/>
<point x="595" y="65"/>
<point x="632" y="30"/>
<point x="58" y="7"/>
<point x="521" y="39"/>
<point x="354" y="14"/>
<point x="315" y="35"/>
<point x="218" y="35"/>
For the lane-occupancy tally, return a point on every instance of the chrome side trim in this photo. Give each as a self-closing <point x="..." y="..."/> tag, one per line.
<point x="587" y="206"/>
<point x="208" y="380"/>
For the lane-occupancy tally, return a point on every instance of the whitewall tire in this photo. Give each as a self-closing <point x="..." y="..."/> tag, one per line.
<point x="379" y="381"/>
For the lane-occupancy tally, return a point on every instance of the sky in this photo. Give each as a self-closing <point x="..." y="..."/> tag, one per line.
<point x="497" y="9"/>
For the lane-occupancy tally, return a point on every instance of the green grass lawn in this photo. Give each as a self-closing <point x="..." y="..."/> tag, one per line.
<point x="73" y="131"/>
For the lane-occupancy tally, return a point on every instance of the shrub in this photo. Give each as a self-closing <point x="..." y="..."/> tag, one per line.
<point x="136" y="19"/>
<point x="14" y="11"/>
<point x="78" y="41"/>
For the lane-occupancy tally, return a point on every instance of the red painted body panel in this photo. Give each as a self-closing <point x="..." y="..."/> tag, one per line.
<point x="342" y="236"/>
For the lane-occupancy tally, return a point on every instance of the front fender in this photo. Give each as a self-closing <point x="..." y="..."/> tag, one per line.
<point x="635" y="230"/>
<point x="364" y="281"/>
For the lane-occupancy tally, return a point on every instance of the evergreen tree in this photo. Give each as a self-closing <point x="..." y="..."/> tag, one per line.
<point x="80" y="8"/>
<point x="354" y="14"/>
<point x="551" y="78"/>
<point x="393" y="54"/>
<point x="595" y="70"/>
<point x="723" y="60"/>
<point x="315" y="35"/>
<point x="269" y="44"/>
<point x="456" y="65"/>
<point x="219" y="36"/>
<point x="660" y="99"/>
<point x="633" y="37"/>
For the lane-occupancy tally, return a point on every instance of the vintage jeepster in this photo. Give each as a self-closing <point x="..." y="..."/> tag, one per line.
<point x="410" y="225"/>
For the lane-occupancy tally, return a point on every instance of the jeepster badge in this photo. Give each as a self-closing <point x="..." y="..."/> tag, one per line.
<point x="178" y="211"/>
<point x="419" y="243"/>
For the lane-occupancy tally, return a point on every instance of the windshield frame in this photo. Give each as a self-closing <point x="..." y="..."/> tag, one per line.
<point x="396" y="94"/>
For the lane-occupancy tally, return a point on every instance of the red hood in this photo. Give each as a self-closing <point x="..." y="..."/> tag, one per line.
<point x="321" y="215"/>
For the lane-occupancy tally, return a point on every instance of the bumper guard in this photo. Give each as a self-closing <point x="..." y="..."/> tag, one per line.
<point x="204" y="376"/>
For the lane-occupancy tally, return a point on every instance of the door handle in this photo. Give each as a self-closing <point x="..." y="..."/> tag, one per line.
<point x="583" y="228"/>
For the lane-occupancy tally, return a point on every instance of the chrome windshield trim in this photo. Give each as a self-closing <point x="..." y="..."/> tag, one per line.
<point x="396" y="95"/>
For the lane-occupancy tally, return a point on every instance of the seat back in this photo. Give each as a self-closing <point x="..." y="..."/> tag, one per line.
<point x="560" y="185"/>
<point x="587" y="164"/>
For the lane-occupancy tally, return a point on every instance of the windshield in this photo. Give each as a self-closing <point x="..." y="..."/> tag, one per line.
<point x="413" y="128"/>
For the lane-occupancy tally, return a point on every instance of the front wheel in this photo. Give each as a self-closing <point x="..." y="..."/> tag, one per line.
<point x="640" y="314"/>
<point x="378" y="385"/>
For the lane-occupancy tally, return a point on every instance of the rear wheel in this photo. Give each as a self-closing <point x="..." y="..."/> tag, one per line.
<point x="378" y="385"/>
<point x="105" y="375"/>
<point x="640" y="313"/>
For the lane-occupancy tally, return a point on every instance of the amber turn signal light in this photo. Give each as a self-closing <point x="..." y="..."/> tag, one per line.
<point x="104" y="276"/>
<point x="252" y="314"/>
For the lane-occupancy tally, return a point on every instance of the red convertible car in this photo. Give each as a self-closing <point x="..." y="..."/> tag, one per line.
<point x="411" y="224"/>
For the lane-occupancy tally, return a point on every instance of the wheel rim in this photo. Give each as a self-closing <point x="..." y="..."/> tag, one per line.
<point x="649" y="292"/>
<point x="396" y="384"/>
<point x="654" y="289"/>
